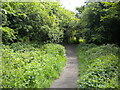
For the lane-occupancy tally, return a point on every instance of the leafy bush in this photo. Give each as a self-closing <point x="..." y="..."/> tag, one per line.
<point x="7" y="34"/>
<point x="35" y="68"/>
<point x="54" y="49"/>
<point x="33" y="21"/>
<point x="99" y="22"/>
<point x="98" y="66"/>
<point x="25" y="46"/>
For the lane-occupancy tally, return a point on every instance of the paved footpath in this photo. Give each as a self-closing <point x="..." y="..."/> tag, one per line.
<point x="69" y="76"/>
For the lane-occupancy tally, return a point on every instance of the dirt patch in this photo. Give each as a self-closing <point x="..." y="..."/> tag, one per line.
<point x="69" y="77"/>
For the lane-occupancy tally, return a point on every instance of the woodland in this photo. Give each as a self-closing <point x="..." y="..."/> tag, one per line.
<point x="33" y="38"/>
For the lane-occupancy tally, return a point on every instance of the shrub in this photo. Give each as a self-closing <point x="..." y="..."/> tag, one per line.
<point x="33" y="21"/>
<point x="98" y="66"/>
<point x="54" y="49"/>
<point x="35" y="68"/>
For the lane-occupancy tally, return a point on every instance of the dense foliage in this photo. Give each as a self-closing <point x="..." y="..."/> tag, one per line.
<point x="27" y="63"/>
<point x="41" y="22"/>
<point x="99" y="22"/>
<point x="48" y="22"/>
<point x="34" y="65"/>
<point x="25" y="66"/>
<point x="99" y="66"/>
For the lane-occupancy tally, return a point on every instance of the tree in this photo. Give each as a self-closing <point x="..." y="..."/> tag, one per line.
<point x="100" y="22"/>
<point x="33" y="21"/>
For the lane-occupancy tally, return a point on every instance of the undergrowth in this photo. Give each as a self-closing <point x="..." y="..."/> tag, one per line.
<point x="28" y="66"/>
<point x="99" y="66"/>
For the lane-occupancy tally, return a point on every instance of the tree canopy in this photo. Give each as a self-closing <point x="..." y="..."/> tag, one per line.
<point x="33" y="21"/>
<point x="99" y="22"/>
<point x="95" y="22"/>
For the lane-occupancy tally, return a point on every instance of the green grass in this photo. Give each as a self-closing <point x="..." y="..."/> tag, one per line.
<point x="30" y="65"/>
<point x="98" y="66"/>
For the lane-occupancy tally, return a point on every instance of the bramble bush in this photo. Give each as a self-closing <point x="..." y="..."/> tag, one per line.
<point x="31" y="68"/>
<point x="98" y="66"/>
